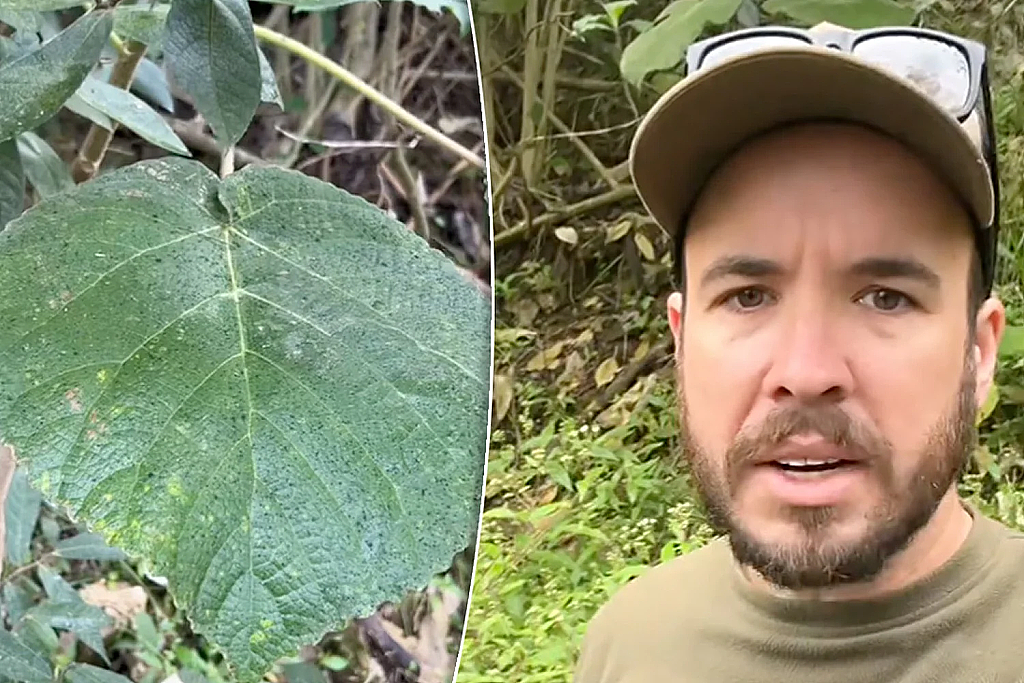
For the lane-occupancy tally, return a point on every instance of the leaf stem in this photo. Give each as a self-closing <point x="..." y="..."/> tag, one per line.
<point x="97" y="140"/>
<point x="348" y="78"/>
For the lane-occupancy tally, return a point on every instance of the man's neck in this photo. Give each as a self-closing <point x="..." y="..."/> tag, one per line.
<point x="933" y="546"/>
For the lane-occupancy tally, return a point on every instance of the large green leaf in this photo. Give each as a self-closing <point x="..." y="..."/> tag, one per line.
<point x="850" y="13"/>
<point x="39" y="5"/>
<point x="663" y="45"/>
<point x="20" y="20"/>
<point x="21" y="511"/>
<point x="12" y="183"/>
<point x="20" y="662"/>
<point x="264" y="386"/>
<point x="44" y="169"/>
<point x="132" y="113"/>
<point x="35" y="86"/>
<point x="212" y="53"/>
<point x="86" y="673"/>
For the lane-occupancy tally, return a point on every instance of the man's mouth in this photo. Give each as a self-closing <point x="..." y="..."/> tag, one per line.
<point x="810" y="465"/>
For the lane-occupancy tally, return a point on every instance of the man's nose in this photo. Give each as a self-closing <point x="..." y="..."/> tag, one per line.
<point x="809" y="361"/>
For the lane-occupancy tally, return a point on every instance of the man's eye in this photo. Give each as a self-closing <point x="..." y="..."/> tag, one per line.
<point x="747" y="298"/>
<point x="886" y="300"/>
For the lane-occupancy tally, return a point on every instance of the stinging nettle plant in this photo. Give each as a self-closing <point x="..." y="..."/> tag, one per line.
<point x="258" y="385"/>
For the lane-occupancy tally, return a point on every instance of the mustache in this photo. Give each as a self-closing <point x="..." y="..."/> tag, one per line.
<point x="829" y="422"/>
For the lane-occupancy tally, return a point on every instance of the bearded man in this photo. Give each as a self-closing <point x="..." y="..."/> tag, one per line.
<point x="834" y="196"/>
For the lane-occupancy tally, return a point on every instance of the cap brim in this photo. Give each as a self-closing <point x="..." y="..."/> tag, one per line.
<point x="699" y="122"/>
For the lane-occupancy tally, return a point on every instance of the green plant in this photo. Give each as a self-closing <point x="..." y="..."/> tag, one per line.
<point x="255" y="384"/>
<point x="661" y="45"/>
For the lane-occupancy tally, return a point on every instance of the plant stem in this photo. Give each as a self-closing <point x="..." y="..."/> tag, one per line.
<point x="97" y="140"/>
<point x="339" y="72"/>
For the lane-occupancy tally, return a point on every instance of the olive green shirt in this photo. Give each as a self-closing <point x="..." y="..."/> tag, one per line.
<point x="696" y="620"/>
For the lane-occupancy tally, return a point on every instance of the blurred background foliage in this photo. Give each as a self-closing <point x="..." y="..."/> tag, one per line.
<point x="581" y="496"/>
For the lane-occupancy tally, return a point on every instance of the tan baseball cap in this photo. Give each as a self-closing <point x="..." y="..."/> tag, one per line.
<point x="701" y="120"/>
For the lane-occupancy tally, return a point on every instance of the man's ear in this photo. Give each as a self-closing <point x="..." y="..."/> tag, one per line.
<point x="675" y="317"/>
<point x="988" y="334"/>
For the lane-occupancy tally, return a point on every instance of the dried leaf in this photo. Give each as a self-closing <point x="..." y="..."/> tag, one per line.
<point x="618" y="231"/>
<point x="121" y="603"/>
<point x="547" y="301"/>
<point x="574" y="364"/>
<point x="585" y="337"/>
<point x="567" y="235"/>
<point x="502" y="396"/>
<point x="606" y="372"/>
<point x="546" y="358"/>
<point x="525" y="311"/>
<point x="644" y="245"/>
<point x="508" y="335"/>
<point x="641" y="349"/>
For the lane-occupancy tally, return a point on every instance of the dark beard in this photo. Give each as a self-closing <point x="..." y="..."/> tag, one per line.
<point x="817" y="563"/>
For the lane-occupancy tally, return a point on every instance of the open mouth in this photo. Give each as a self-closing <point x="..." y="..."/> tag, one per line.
<point x="809" y="465"/>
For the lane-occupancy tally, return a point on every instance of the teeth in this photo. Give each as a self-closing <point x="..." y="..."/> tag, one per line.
<point x="808" y="462"/>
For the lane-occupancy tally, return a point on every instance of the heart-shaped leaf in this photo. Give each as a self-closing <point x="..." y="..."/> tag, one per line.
<point x="36" y="85"/>
<point x="264" y="386"/>
<point x="132" y="113"/>
<point x="211" y="50"/>
<point x="664" y="44"/>
<point x="853" y="14"/>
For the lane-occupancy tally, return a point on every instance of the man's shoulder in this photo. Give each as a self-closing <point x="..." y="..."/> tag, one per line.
<point x="682" y="586"/>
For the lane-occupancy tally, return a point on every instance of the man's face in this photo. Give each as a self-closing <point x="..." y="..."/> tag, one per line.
<point x="826" y="372"/>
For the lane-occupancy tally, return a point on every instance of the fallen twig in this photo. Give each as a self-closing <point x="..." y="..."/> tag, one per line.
<point x="191" y="133"/>
<point x="627" y="376"/>
<point x="522" y="229"/>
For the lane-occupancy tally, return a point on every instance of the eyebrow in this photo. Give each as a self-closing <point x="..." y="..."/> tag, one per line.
<point x="875" y="266"/>
<point x="888" y="267"/>
<point x="739" y="266"/>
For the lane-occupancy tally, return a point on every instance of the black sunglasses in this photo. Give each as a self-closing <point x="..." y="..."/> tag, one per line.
<point x="950" y="69"/>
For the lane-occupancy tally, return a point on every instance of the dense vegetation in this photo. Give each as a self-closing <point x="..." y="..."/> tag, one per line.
<point x="582" y="494"/>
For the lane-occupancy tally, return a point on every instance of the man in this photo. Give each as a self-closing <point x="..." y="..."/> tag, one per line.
<point x="834" y="335"/>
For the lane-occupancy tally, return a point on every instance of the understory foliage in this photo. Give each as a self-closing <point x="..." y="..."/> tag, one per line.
<point x="585" y="490"/>
<point x="236" y="432"/>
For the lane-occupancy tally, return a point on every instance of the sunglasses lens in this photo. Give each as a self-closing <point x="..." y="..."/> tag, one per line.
<point x="938" y="68"/>
<point x="747" y="45"/>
